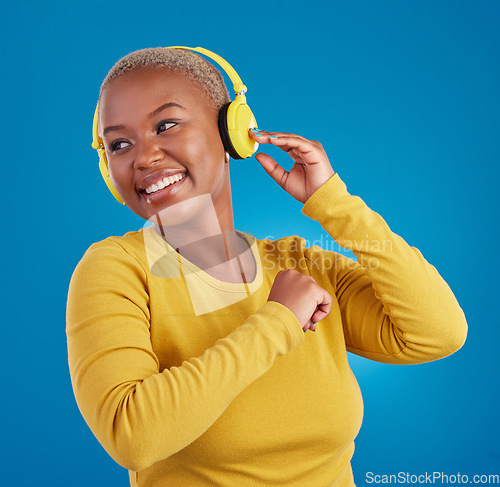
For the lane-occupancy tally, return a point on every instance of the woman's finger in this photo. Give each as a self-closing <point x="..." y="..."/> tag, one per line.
<point x="272" y="168"/>
<point x="267" y="137"/>
<point x="275" y="134"/>
<point x="310" y="325"/>
<point x="309" y="151"/>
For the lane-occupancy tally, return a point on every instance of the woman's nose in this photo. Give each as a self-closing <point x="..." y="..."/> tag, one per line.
<point x="148" y="154"/>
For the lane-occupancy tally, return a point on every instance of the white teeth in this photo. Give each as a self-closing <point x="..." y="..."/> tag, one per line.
<point x="163" y="183"/>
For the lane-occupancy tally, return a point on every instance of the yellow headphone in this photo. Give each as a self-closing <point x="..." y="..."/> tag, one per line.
<point x="235" y="119"/>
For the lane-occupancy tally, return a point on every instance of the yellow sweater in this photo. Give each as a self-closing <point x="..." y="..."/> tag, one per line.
<point x="189" y="381"/>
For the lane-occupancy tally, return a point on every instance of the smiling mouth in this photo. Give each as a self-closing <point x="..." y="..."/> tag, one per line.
<point x="164" y="188"/>
<point x="163" y="183"/>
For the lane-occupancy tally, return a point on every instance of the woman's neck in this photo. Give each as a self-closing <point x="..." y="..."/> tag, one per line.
<point x="208" y="240"/>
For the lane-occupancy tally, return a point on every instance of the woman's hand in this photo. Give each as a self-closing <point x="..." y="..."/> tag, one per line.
<point x="303" y="296"/>
<point x="311" y="169"/>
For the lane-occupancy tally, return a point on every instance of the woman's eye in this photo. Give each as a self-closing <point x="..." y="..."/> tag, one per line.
<point x="163" y="126"/>
<point x="119" y="144"/>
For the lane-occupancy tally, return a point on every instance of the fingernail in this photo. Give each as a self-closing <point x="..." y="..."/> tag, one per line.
<point x="272" y="137"/>
<point x="314" y="329"/>
<point x="305" y="330"/>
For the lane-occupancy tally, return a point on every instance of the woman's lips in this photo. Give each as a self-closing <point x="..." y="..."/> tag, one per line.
<point x="165" y="193"/>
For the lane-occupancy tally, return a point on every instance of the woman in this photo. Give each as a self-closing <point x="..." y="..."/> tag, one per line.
<point x="186" y="340"/>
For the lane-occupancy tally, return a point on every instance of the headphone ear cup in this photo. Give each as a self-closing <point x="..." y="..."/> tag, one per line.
<point x="224" y="132"/>
<point x="103" y="167"/>
<point x="235" y="119"/>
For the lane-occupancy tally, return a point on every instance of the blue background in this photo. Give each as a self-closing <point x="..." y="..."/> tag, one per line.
<point x="404" y="96"/>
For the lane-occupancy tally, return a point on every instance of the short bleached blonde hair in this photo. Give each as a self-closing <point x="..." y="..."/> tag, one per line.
<point x="194" y="66"/>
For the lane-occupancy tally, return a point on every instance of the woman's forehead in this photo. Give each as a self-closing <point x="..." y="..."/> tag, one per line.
<point x="148" y="86"/>
<point x="150" y="81"/>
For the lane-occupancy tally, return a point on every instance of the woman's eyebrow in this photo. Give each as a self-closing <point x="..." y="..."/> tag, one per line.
<point x="163" y="107"/>
<point x="151" y="115"/>
<point x="111" y="128"/>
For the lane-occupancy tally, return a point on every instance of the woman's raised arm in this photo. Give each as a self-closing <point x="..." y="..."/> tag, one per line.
<point x="395" y="306"/>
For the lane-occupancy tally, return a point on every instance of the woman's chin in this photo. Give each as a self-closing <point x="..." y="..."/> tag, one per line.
<point x="186" y="213"/>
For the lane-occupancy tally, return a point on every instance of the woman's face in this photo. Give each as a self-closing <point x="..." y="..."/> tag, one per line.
<point x="156" y="123"/>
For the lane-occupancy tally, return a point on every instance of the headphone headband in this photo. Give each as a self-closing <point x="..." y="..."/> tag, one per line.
<point x="239" y="87"/>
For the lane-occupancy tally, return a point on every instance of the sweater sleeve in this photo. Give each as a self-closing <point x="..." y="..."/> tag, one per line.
<point x="395" y="307"/>
<point x="138" y="413"/>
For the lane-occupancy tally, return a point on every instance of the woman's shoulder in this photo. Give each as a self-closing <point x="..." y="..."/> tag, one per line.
<point x="110" y="267"/>
<point x="128" y="241"/>
<point x="116" y="249"/>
